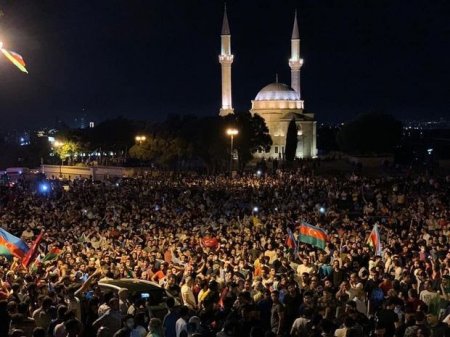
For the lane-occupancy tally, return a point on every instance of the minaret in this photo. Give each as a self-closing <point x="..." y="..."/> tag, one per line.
<point x="295" y="62"/>
<point x="226" y="59"/>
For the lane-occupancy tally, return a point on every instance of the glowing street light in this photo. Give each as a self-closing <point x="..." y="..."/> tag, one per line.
<point x="232" y="132"/>
<point x="140" y="139"/>
<point x="301" y="138"/>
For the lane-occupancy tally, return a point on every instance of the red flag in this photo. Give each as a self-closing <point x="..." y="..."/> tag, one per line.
<point x="31" y="255"/>
<point x="210" y="242"/>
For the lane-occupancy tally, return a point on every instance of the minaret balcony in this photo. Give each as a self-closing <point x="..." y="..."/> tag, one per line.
<point x="295" y="64"/>
<point x="226" y="59"/>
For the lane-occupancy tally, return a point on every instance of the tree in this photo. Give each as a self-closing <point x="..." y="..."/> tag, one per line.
<point x="371" y="133"/>
<point x="36" y="152"/>
<point x="253" y="135"/>
<point x="209" y="142"/>
<point x="163" y="150"/>
<point x="203" y="140"/>
<point x="112" y="135"/>
<point x="141" y="151"/>
<point x="291" y="141"/>
<point x="66" y="149"/>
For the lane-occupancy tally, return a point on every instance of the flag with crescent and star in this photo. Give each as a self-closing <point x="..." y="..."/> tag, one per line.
<point x="313" y="235"/>
<point x="11" y="245"/>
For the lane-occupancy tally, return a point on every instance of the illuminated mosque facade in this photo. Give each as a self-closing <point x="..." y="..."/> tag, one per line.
<point x="277" y="103"/>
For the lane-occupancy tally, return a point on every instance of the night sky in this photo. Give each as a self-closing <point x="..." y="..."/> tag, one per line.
<point x="149" y="58"/>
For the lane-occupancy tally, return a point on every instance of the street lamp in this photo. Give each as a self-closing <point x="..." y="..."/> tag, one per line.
<point x="300" y="135"/>
<point x="231" y="132"/>
<point x="59" y="144"/>
<point x="140" y="139"/>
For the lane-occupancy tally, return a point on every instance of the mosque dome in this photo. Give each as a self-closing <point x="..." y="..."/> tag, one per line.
<point x="277" y="92"/>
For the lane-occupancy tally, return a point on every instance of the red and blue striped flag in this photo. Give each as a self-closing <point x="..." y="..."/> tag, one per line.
<point x="374" y="240"/>
<point x="290" y="240"/>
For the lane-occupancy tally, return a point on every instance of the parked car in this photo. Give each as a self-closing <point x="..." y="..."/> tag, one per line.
<point x="154" y="294"/>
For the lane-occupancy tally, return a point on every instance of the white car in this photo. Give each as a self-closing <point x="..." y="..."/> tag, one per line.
<point x="154" y="294"/>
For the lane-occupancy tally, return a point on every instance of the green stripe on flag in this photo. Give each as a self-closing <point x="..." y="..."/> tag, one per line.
<point x="313" y="241"/>
<point x="5" y="251"/>
<point x="52" y="255"/>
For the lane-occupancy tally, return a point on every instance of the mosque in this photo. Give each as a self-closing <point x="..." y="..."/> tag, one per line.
<point x="277" y="103"/>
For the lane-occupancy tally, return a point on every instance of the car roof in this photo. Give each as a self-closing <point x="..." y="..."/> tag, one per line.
<point x="133" y="285"/>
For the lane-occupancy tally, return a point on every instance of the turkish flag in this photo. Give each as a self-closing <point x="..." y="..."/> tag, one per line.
<point x="210" y="242"/>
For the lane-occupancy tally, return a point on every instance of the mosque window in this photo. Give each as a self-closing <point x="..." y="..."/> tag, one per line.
<point x="276" y="149"/>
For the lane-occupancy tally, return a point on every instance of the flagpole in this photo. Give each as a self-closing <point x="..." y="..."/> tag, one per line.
<point x="31" y="253"/>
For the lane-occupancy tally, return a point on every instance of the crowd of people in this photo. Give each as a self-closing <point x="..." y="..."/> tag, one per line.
<point x="217" y="245"/>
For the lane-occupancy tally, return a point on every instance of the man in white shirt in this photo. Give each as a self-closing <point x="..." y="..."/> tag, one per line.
<point x="300" y="324"/>
<point x="181" y="325"/>
<point x="305" y="267"/>
<point x="356" y="287"/>
<point x="427" y="295"/>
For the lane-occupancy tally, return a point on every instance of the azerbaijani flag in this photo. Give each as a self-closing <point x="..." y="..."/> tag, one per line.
<point x="53" y="254"/>
<point x="15" y="59"/>
<point x="31" y="255"/>
<point x="313" y="235"/>
<point x="374" y="240"/>
<point x="35" y="264"/>
<point x="11" y="245"/>
<point x="290" y="240"/>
